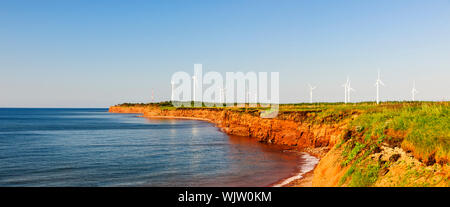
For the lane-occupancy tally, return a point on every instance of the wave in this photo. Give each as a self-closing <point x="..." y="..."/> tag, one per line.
<point x="308" y="165"/>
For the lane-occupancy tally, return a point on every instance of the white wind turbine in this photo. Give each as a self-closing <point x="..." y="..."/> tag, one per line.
<point x="349" y="88"/>
<point x="377" y="84"/>
<point x="414" y="91"/>
<point x="193" y="80"/>
<point x="172" y="84"/>
<point x="153" y="95"/>
<point x="345" y="85"/>
<point x="224" y="93"/>
<point x="311" y="88"/>
<point x="247" y="97"/>
<point x="221" y="94"/>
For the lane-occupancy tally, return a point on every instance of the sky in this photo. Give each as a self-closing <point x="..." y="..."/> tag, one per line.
<point x="101" y="53"/>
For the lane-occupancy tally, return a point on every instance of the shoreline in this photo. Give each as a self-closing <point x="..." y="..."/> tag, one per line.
<point x="302" y="178"/>
<point x="304" y="181"/>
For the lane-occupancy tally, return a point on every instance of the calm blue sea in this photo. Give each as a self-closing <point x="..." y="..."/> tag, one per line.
<point x="91" y="147"/>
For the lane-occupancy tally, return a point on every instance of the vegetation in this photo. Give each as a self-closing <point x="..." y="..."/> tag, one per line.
<point x="420" y="128"/>
<point x="423" y="129"/>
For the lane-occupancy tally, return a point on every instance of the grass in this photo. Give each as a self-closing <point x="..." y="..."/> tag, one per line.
<point x="423" y="129"/>
<point x="428" y="128"/>
<point x="350" y="156"/>
<point x="365" y="177"/>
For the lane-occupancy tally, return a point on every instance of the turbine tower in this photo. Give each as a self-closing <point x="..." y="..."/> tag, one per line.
<point x="377" y="84"/>
<point x="222" y="97"/>
<point x="171" y="96"/>
<point x="349" y="88"/>
<point x="153" y="96"/>
<point x="193" y="80"/>
<point x="345" y="85"/>
<point x="247" y="97"/>
<point x="414" y="91"/>
<point x="311" y="88"/>
<point x="221" y="94"/>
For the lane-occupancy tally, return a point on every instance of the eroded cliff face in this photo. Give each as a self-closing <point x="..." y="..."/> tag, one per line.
<point x="285" y="129"/>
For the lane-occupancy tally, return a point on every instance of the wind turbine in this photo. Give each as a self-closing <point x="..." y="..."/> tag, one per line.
<point x="153" y="95"/>
<point x="345" y="85"/>
<point x="247" y="97"/>
<point x="311" y="88"/>
<point x="349" y="88"/>
<point x="221" y="94"/>
<point x="193" y="80"/>
<point x="171" y="96"/>
<point x="414" y="91"/>
<point x="377" y="84"/>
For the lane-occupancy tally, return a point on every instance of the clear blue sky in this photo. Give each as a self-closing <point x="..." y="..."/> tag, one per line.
<point x="100" y="53"/>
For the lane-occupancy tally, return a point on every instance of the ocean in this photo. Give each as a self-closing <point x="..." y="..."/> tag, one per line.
<point x="91" y="147"/>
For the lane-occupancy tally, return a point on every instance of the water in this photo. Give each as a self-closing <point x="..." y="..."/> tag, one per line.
<point x="91" y="147"/>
